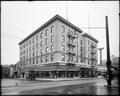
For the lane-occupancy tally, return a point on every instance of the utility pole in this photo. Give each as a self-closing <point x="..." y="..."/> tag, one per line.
<point x="100" y="49"/>
<point x="108" y="63"/>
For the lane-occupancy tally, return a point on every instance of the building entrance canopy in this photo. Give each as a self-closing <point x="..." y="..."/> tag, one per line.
<point x="84" y="65"/>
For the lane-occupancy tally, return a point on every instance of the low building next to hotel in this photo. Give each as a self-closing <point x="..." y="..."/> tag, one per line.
<point x="59" y="49"/>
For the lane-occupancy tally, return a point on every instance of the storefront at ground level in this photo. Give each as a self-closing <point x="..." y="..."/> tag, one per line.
<point x="59" y="71"/>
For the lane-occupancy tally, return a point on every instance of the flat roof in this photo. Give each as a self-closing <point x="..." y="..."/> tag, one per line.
<point x="56" y="17"/>
<point x="89" y="36"/>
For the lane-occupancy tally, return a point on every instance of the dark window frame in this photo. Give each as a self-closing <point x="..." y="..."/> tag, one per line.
<point x="63" y="29"/>
<point x="46" y="59"/>
<point x="52" y="29"/>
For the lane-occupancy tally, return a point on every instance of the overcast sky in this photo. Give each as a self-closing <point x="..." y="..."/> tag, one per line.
<point x="19" y="19"/>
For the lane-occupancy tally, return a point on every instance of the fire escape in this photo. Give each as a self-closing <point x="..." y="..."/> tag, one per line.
<point x="70" y="51"/>
<point x="93" y="52"/>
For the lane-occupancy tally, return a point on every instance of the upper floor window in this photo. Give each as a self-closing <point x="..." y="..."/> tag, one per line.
<point x="37" y="38"/>
<point x="77" y="44"/>
<point x="29" y="55"/>
<point x="81" y="42"/>
<point x="72" y="32"/>
<point x="81" y="60"/>
<point x="33" y="40"/>
<point x="62" y="29"/>
<point x="88" y="55"/>
<point x="63" y="57"/>
<point x="62" y="47"/>
<point x="29" y="42"/>
<point x="52" y="57"/>
<point x="41" y="51"/>
<point x="41" y="35"/>
<point x="23" y="45"/>
<point x="88" y="48"/>
<point x="46" y="58"/>
<point x="36" y="53"/>
<point x="23" y="63"/>
<point x="75" y="32"/>
<point x="46" y="41"/>
<point x="81" y="55"/>
<point x="68" y="30"/>
<point x="52" y="48"/>
<point x="88" y="42"/>
<point x="29" y="49"/>
<point x="33" y="47"/>
<point x="52" y="38"/>
<point x="41" y="43"/>
<point x="30" y="62"/>
<point x="33" y="54"/>
<point x="46" y="50"/>
<point x="24" y="58"/>
<point x="24" y="51"/>
<point x="20" y="52"/>
<point x="20" y="59"/>
<point x="41" y="59"/>
<point x="70" y="48"/>
<point x="77" y="59"/>
<point x="62" y="38"/>
<point x="46" y="32"/>
<point x="95" y="44"/>
<point x="36" y="45"/>
<point x="33" y="61"/>
<point x="20" y="47"/>
<point x="52" y="29"/>
<point x="37" y="60"/>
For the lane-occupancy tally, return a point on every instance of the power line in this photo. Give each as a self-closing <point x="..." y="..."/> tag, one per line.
<point x="92" y="27"/>
<point x="16" y="29"/>
<point x="12" y="36"/>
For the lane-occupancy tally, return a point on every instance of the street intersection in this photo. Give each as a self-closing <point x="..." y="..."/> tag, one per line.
<point x="94" y="85"/>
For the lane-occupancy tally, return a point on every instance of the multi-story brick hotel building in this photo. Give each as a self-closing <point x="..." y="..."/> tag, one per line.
<point x="59" y="49"/>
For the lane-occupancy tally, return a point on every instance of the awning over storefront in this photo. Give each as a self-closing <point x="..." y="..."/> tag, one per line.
<point x="44" y="70"/>
<point x="102" y="69"/>
<point x="85" y="66"/>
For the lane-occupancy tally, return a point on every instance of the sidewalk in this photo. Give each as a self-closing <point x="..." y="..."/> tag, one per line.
<point x="61" y="79"/>
<point x="115" y="82"/>
<point x="22" y="81"/>
<point x="45" y="80"/>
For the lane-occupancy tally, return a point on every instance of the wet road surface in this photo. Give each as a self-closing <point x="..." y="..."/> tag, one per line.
<point x="92" y="86"/>
<point x="12" y="82"/>
<point x="79" y="89"/>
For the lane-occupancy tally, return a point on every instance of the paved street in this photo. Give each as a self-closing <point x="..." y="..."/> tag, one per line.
<point x="12" y="82"/>
<point x="79" y="86"/>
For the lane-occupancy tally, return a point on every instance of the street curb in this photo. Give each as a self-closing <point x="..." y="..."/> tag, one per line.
<point x="48" y="81"/>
